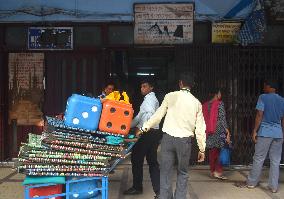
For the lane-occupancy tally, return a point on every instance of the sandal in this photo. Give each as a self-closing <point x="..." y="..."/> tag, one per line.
<point x="220" y="177"/>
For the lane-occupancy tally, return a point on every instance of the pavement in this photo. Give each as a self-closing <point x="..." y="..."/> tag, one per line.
<point x="200" y="186"/>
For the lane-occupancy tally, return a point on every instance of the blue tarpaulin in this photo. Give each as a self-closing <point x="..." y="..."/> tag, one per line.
<point x="111" y="10"/>
<point x="237" y="9"/>
<point x="252" y="31"/>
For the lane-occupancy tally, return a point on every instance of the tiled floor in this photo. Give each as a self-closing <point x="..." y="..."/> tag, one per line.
<point x="200" y="185"/>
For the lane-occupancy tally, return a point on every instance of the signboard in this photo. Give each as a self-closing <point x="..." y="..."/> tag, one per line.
<point x="51" y="38"/>
<point x="225" y="32"/>
<point x="26" y="88"/>
<point x="275" y="10"/>
<point x="163" y="23"/>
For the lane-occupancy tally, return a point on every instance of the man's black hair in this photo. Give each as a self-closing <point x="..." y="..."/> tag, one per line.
<point x="149" y="81"/>
<point x="109" y="82"/>
<point x="187" y="79"/>
<point x="273" y="83"/>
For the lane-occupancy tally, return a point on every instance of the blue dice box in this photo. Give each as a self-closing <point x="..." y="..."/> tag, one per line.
<point x="83" y="112"/>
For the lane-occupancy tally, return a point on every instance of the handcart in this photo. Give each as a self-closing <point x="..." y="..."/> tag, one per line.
<point x="102" y="187"/>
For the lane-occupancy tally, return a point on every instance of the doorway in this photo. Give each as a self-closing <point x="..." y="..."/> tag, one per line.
<point x="130" y="67"/>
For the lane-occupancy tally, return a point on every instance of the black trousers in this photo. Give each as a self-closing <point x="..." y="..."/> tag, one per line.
<point x="147" y="145"/>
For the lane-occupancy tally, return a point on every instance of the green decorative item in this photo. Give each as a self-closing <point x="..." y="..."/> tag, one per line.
<point x="34" y="140"/>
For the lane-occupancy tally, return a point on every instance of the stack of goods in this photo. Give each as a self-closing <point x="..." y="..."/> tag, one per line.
<point x="74" y="146"/>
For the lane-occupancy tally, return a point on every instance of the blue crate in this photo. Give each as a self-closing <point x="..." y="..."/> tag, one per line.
<point x="87" y="187"/>
<point x="101" y="188"/>
<point x="83" y="112"/>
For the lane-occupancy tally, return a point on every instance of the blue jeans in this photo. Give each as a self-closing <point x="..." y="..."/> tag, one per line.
<point x="262" y="147"/>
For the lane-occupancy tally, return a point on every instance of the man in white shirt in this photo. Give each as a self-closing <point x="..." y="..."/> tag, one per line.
<point x="147" y="144"/>
<point x="184" y="118"/>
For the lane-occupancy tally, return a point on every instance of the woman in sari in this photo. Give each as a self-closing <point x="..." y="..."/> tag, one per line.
<point x="217" y="133"/>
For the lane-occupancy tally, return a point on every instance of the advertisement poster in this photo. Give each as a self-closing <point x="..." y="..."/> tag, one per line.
<point x="26" y="88"/>
<point x="163" y="23"/>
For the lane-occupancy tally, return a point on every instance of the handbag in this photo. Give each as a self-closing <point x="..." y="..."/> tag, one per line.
<point x="224" y="157"/>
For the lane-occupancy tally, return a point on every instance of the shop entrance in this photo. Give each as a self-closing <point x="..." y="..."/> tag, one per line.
<point x="131" y="66"/>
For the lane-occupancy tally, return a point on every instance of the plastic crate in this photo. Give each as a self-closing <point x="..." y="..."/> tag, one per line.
<point x="48" y="190"/>
<point x="87" y="187"/>
<point x="103" y="189"/>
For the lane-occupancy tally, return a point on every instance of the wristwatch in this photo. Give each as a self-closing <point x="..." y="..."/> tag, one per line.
<point x="141" y="129"/>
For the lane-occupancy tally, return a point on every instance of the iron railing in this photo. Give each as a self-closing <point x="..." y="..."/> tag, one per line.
<point x="240" y="71"/>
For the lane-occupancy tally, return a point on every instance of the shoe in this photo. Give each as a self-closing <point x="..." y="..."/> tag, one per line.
<point x="157" y="196"/>
<point x="272" y="190"/>
<point x="132" y="191"/>
<point x="244" y="185"/>
<point x="250" y="186"/>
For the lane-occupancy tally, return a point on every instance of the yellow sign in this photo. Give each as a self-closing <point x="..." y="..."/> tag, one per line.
<point x="225" y="32"/>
